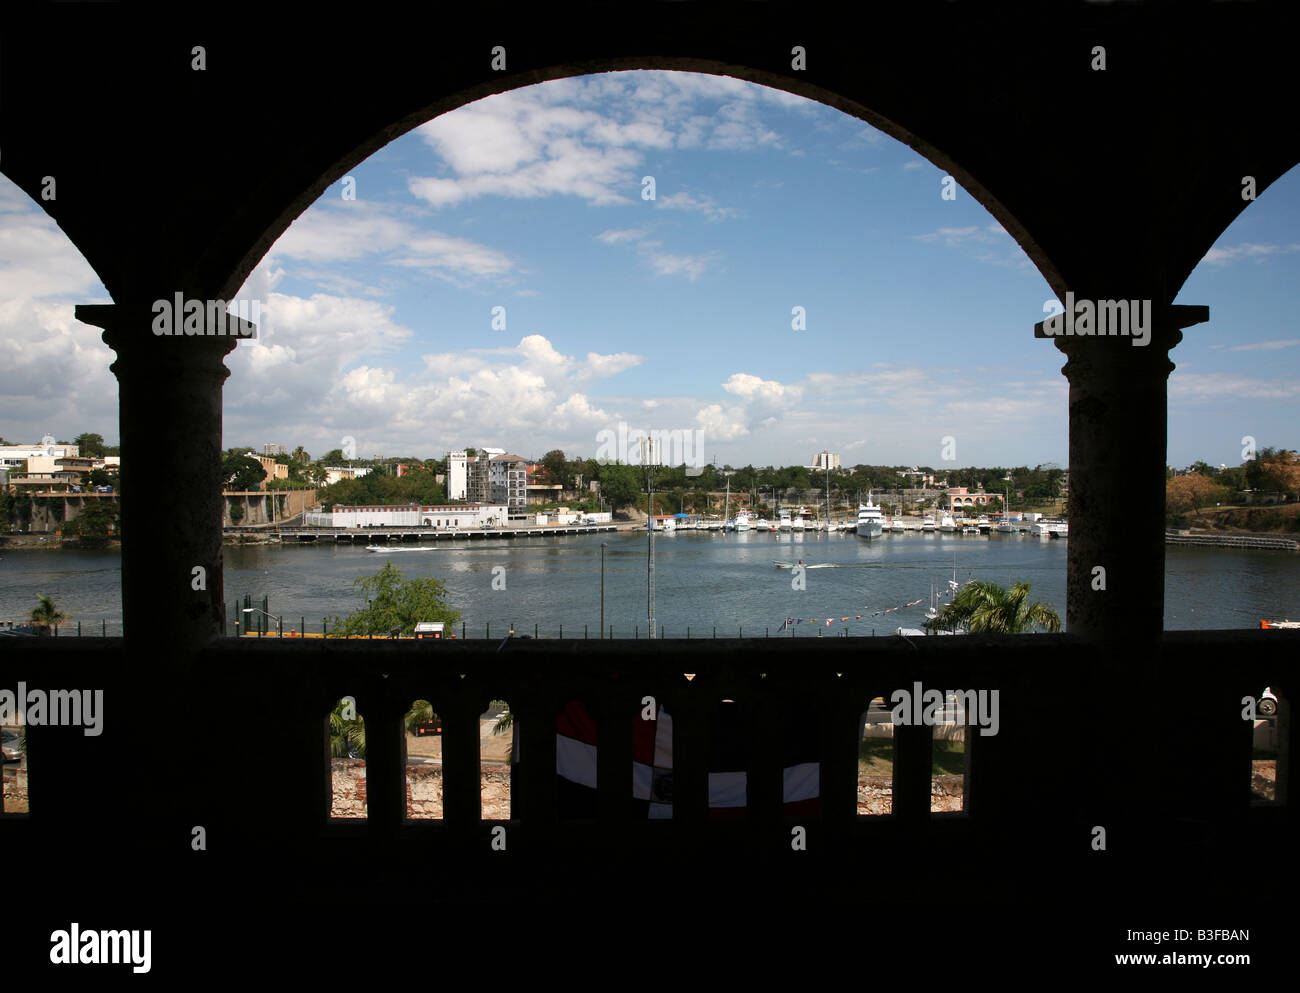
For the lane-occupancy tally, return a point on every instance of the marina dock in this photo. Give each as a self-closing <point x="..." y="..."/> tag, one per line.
<point x="370" y="536"/>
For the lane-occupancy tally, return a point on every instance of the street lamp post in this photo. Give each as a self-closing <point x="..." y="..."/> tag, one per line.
<point x="258" y="610"/>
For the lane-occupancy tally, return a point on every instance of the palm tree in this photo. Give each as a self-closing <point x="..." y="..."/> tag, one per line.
<point x="346" y="736"/>
<point x="45" y="615"/>
<point x="987" y="608"/>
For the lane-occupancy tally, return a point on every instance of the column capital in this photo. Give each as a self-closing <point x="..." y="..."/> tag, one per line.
<point x="168" y="331"/>
<point x="1105" y="336"/>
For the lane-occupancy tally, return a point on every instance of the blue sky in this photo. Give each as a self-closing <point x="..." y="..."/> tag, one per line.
<point x="672" y="313"/>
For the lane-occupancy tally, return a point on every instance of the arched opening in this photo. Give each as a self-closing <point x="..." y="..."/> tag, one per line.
<point x="667" y="227"/>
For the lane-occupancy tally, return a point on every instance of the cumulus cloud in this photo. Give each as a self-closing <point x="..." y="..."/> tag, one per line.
<point x="588" y="137"/>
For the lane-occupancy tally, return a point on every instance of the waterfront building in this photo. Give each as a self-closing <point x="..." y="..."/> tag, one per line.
<point x="457" y="475"/>
<point x="460" y="515"/>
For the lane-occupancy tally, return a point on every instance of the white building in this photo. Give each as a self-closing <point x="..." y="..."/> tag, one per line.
<point x="457" y="476"/>
<point x="16" y="456"/>
<point x="334" y="473"/>
<point x="460" y="515"/>
<point x="821" y="458"/>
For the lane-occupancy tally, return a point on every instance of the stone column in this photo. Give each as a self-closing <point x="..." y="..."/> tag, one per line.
<point x="170" y="423"/>
<point x="1118" y="432"/>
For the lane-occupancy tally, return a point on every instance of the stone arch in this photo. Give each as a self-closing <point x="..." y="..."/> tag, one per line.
<point x="326" y="172"/>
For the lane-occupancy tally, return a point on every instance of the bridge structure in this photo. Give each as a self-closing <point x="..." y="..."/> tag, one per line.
<point x="1114" y="142"/>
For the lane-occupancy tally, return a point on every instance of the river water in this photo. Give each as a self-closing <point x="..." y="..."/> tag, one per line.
<point x="702" y="581"/>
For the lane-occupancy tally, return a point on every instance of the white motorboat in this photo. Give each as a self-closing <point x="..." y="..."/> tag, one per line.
<point x="799" y="523"/>
<point x="898" y="524"/>
<point x="742" y="521"/>
<point x="871" y="523"/>
<point x="784" y="524"/>
<point x="947" y="524"/>
<point x="762" y="524"/>
<point x="928" y="524"/>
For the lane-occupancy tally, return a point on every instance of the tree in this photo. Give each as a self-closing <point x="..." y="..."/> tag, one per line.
<point x="90" y="445"/>
<point x="986" y="608"/>
<point x="621" y="485"/>
<point x="94" y="524"/>
<point x="236" y="513"/>
<point x="46" y="615"/>
<point x="347" y="733"/>
<point x="1192" y="492"/>
<point x="556" y="467"/>
<point x="241" y="472"/>
<point x="300" y="454"/>
<point x="394" y="604"/>
<point x="1274" y="471"/>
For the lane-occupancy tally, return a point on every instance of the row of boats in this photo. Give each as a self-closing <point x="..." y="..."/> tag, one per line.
<point x="870" y="523"/>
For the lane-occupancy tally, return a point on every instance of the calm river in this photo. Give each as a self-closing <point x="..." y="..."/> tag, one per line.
<point x="702" y="580"/>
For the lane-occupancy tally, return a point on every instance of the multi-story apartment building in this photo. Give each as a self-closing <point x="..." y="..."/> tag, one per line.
<point x="495" y="477"/>
<point x="508" y="476"/>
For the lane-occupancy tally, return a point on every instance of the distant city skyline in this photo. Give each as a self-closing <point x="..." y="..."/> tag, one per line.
<point x="796" y="284"/>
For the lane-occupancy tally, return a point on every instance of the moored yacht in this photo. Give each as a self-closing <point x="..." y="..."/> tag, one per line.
<point x="947" y="524"/>
<point x="784" y="524"/>
<point x="928" y="524"/>
<point x="742" y="521"/>
<point x="871" y="523"/>
<point x="762" y="524"/>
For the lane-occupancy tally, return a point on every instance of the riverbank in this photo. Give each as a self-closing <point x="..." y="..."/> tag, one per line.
<point x="1232" y="539"/>
<point x="44" y="542"/>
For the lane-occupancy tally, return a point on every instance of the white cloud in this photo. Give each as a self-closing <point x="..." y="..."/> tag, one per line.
<point x="1235" y="253"/>
<point x="588" y="136"/>
<point x="1266" y="345"/>
<point x="689" y="201"/>
<point x="691" y="266"/>
<point x="613" y="236"/>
